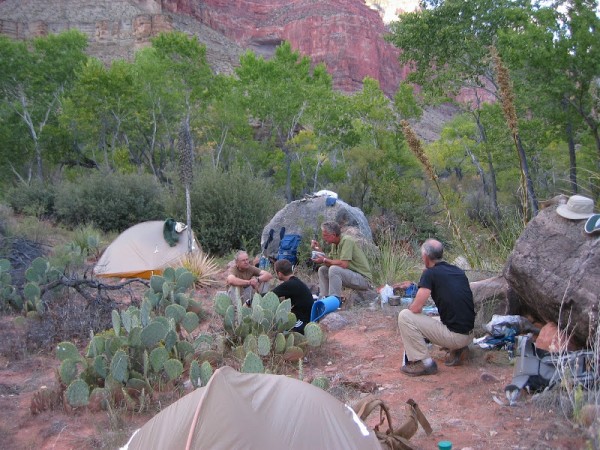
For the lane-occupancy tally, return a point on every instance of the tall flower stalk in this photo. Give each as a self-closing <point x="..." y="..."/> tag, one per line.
<point x="186" y="174"/>
<point x="507" y="100"/>
<point x="415" y="146"/>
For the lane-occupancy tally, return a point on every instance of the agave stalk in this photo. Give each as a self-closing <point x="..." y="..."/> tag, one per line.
<point x="186" y="164"/>
<point x="415" y="146"/>
<point x="507" y="100"/>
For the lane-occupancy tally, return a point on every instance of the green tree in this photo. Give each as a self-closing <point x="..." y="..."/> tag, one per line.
<point x="33" y="77"/>
<point x="280" y="95"/>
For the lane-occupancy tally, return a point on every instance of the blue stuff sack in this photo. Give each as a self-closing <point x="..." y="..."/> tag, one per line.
<point x="288" y="248"/>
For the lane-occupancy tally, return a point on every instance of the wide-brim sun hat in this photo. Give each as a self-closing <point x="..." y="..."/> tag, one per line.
<point x="593" y="224"/>
<point x="577" y="207"/>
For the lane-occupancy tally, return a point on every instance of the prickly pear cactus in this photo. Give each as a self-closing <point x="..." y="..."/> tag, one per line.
<point x="158" y="356"/>
<point x="222" y="302"/>
<point x="251" y="344"/>
<point x="156" y="283"/>
<point x="67" y="350"/>
<point x="195" y="374"/>
<point x="206" y="372"/>
<point x="280" y="343"/>
<point x="173" y="368"/>
<point x="321" y="382"/>
<point x="190" y="321"/>
<point x="264" y="345"/>
<point x="78" y="393"/>
<point x="175" y="312"/>
<point x="68" y="371"/>
<point x="252" y="364"/>
<point x="119" y="365"/>
<point x="153" y="334"/>
<point x="184" y="282"/>
<point x="284" y="308"/>
<point x="116" y="322"/>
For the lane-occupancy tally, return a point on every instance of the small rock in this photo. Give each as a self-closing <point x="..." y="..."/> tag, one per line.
<point x="488" y="378"/>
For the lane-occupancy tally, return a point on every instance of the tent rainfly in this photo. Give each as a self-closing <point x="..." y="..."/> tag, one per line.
<point x="142" y="251"/>
<point x="255" y="411"/>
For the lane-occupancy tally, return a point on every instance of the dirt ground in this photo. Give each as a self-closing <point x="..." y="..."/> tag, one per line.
<point x="362" y="358"/>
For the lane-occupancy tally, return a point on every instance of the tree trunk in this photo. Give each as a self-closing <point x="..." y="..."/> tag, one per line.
<point x="493" y="187"/>
<point x="571" y="144"/>
<point x="525" y="171"/>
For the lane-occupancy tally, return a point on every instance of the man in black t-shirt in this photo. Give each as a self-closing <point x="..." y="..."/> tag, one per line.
<point x="294" y="289"/>
<point x="450" y="290"/>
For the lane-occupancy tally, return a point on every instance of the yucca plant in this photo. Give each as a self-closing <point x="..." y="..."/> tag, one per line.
<point x="202" y="266"/>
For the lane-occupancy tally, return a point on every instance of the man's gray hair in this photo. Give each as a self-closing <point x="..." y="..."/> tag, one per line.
<point x="331" y="228"/>
<point x="433" y="249"/>
<point x="240" y="253"/>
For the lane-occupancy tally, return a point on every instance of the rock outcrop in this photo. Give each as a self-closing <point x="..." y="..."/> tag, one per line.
<point x="346" y="35"/>
<point x="116" y="29"/>
<point x="554" y="269"/>
<point x="304" y="217"/>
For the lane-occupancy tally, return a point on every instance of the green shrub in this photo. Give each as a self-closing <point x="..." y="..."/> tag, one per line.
<point x="34" y="199"/>
<point x="113" y="202"/>
<point x="229" y="208"/>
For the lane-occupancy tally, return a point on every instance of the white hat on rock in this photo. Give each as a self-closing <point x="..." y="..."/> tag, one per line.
<point x="577" y="207"/>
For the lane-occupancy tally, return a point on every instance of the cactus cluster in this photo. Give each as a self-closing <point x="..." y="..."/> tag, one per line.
<point x="263" y="329"/>
<point x="29" y="300"/>
<point x="144" y="348"/>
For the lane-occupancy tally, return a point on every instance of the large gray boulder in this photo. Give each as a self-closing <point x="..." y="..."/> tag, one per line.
<point x="555" y="265"/>
<point x="304" y="217"/>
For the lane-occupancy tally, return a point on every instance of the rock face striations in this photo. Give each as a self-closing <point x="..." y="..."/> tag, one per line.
<point x="346" y="35"/>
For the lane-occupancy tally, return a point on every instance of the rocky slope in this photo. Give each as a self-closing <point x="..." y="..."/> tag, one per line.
<point x="344" y="34"/>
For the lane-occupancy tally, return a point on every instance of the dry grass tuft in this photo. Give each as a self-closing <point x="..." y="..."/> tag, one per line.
<point x="204" y="268"/>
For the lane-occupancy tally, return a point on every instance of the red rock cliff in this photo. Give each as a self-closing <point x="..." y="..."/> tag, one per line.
<point x="344" y="34"/>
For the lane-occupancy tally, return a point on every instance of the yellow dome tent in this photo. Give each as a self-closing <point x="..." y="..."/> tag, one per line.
<point x="255" y="411"/>
<point x="142" y="251"/>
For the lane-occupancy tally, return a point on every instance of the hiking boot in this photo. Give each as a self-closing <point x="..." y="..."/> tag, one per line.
<point x="457" y="357"/>
<point x="417" y="369"/>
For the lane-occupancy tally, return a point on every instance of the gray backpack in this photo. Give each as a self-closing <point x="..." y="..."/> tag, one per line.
<point x="536" y="370"/>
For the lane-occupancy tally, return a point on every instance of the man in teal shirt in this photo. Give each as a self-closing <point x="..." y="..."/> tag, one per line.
<point x="345" y="267"/>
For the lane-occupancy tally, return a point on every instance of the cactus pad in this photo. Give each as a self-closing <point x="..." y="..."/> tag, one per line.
<point x="252" y="364"/>
<point x="222" y="302"/>
<point x="321" y="382"/>
<point x="206" y="372"/>
<point x="68" y="371"/>
<point x="67" y="350"/>
<point x="264" y="345"/>
<point x="153" y="334"/>
<point x="279" y="343"/>
<point x="195" y="374"/>
<point x="173" y="368"/>
<point x="175" y="312"/>
<point x="78" y="393"/>
<point x="158" y="356"/>
<point x="119" y="365"/>
<point x="190" y="321"/>
<point x="293" y="354"/>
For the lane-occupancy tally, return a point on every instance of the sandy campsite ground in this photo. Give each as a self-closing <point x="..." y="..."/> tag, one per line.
<point x="362" y="358"/>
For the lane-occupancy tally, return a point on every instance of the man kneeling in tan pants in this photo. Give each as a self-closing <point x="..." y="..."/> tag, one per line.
<point x="449" y="288"/>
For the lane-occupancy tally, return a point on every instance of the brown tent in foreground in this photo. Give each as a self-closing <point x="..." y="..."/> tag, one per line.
<point x="255" y="411"/>
<point x="142" y="251"/>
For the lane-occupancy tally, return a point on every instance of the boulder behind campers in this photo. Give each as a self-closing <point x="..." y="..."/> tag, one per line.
<point x="304" y="218"/>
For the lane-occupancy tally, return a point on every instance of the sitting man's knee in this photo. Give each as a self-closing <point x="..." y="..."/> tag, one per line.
<point x="334" y="270"/>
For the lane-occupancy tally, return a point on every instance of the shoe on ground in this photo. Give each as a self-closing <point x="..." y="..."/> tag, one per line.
<point x="417" y="369"/>
<point x="457" y="357"/>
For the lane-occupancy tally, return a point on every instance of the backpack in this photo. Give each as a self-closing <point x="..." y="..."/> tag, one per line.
<point x="288" y="248"/>
<point x="537" y="369"/>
